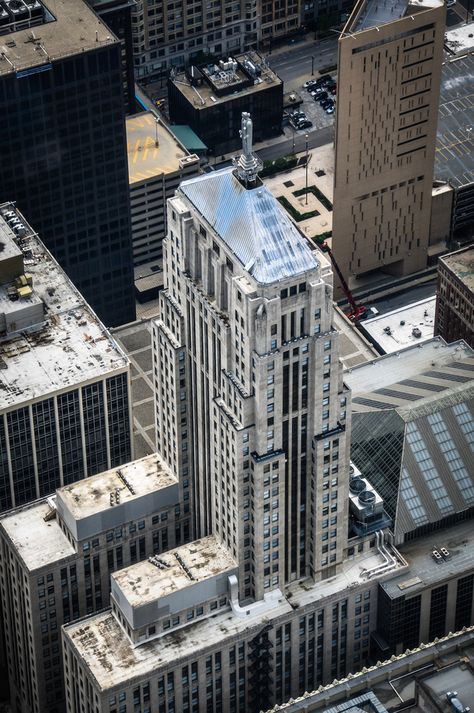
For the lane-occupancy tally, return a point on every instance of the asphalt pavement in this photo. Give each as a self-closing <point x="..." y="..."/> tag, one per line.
<point x="292" y="65"/>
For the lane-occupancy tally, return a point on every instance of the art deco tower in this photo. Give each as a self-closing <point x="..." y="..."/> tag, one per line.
<point x="251" y="408"/>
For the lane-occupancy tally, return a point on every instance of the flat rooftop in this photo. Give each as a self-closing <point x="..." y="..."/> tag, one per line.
<point x="393" y="331"/>
<point x="460" y="39"/>
<point x="152" y="149"/>
<point x="412" y="362"/>
<point x="106" y="650"/>
<point x="69" y="347"/>
<point x="454" y="159"/>
<point x="38" y="542"/>
<point x="205" y="96"/>
<point x="422" y="571"/>
<point x="374" y="13"/>
<point x="461" y="263"/>
<point x="75" y="28"/>
<point x="143" y="582"/>
<point x="353" y="573"/>
<point x="132" y="480"/>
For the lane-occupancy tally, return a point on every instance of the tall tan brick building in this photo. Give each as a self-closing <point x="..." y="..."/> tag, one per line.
<point x="390" y="56"/>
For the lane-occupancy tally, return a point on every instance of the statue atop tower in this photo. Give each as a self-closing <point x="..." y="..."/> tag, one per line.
<point x="248" y="165"/>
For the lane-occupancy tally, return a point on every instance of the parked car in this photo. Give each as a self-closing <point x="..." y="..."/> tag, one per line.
<point x="333" y="89"/>
<point x="330" y="109"/>
<point x="325" y="80"/>
<point x="304" y="124"/>
<point x="320" y="96"/>
<point x="327" y="103"/>
<point x="456" y="705"/>
<point x="310" y="83"/>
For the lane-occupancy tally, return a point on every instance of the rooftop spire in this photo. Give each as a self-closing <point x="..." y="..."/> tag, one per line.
<point x="247" y="164"/>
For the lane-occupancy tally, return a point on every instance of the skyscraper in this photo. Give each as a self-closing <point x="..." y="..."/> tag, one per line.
<point x="259" y="428"/>
<point x="389" y="74"/>
<point x="279" y="592"/>
<point x="63" y="147"/>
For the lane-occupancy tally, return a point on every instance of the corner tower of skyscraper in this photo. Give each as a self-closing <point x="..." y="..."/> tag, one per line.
<point x="389" y="72"/>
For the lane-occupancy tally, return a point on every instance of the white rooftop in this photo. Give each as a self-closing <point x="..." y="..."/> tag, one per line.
<point x="69" y="347"/>
<point x="405" y="364"/>
<point x="460" y="39"/>
<point x="394" y="330"/>
<point x="143" y="582"/>
<point x="132" y="481"/>
<point x="38" y="542"/>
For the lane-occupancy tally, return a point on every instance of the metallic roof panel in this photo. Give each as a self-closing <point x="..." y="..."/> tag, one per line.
<point x="252" y="224"/>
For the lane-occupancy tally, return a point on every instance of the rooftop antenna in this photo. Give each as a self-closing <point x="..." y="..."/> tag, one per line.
<point x="248" y="165"/>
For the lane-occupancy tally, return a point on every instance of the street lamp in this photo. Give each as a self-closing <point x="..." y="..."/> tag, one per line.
<point x="294" y="132"/>
<point x="306" y="141"/>
<point x="312" y="66"/>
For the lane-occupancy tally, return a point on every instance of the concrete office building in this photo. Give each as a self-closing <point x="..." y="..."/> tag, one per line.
<point x="56" y="558"/>
<point x="279" y="592"/>
<point x="252" y="307"/>
<point x="63" y="147"/>
<point x="252" y="416"/>
<point x="389" y="74"/>
<point x="157" y="163"/>
<point x="166" y="36"/>
<point x="455" y="296"/>
<point x="64" y="382"/>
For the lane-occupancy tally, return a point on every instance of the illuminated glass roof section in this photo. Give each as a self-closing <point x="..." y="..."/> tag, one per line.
<point x="252" y="224"/>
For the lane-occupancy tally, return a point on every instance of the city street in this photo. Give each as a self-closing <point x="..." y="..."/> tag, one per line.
<point x="294" y="65"/>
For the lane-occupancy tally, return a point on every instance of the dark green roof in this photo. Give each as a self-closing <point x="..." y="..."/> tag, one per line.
<point x="188" y="138"/>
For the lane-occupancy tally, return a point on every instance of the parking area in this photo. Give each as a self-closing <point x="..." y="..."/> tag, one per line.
<point x="313" y="111"/>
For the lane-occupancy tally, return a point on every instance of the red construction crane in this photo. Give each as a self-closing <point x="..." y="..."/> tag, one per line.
<point x="357" y="311"/>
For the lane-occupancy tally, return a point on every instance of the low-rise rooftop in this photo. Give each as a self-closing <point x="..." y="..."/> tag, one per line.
<point x="144" y="582"/>
<point x="64" y="344"/>
<point x="459" y="40"/>
<point x="212" y="85"/>
<point x="72" y="28"/>
<point x="37" y="537"/>
<point x="427" y="365"/>
<point x="461" y="264"/>
<point x="423" y="571"/>
<point x="403" y="327"/>
<point x="151" y="148"/>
